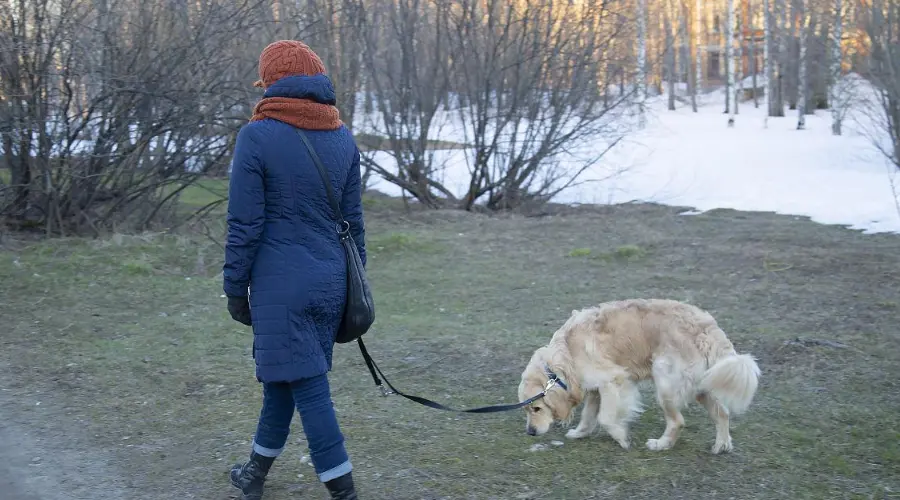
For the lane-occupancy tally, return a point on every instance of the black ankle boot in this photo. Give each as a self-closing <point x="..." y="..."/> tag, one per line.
<point x="341" y="488"/>
<point x="250" y="476"/>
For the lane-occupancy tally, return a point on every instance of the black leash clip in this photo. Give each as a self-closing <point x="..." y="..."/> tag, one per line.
<point x="385" y="392"/>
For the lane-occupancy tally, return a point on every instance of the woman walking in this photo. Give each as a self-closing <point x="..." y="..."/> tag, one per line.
<point x="282" y="245"/>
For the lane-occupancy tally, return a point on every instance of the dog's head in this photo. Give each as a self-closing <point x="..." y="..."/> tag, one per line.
<point x="559" y="399"/>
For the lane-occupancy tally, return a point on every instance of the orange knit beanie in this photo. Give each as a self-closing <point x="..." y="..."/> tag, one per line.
<point x="287" y="58"/>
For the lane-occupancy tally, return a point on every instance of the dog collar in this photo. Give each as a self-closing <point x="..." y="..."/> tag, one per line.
<point x="553" y="379"/>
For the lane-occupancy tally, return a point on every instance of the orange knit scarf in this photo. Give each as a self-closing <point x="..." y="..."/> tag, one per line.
<point x="301" y="113"/>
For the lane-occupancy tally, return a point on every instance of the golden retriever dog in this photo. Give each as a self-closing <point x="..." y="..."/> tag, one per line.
<point x="601" y="353"/>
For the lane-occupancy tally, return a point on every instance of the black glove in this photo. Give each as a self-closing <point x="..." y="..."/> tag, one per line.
<point x="239" y="308"/>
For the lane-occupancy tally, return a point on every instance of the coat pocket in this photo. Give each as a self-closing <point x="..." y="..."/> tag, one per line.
<point x="271" y="334"/>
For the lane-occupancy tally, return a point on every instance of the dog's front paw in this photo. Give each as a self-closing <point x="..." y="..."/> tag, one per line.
<point x="658" y="444"/>
<point x="722" y="446"/>
<point x="619" y="435"/>
<point x="576" y="433"/>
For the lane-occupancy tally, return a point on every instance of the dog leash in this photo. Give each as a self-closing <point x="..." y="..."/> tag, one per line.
<point x="554" y="380"/>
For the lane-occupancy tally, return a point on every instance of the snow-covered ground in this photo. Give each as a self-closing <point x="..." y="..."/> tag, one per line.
<point x="693" y="159"/>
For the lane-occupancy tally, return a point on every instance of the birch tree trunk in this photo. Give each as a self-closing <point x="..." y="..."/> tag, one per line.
<point x="753" y="66"/>
<point x="767" y="56"/>
<point x="670" y="60"/>
<point x="776" y="54"/>
<point x="816" y="55"/>
<point x="686" y="42"/>
<point x="642" y="60"/>
<point x="657" y="38"/>
<point x="803" y="83"/>
<point x="698" y="41"/>
<point x="836" y="69"/>
<point x="729" y="60"/>
<point x="739" y="68"/>
<point x="791" y="64"/>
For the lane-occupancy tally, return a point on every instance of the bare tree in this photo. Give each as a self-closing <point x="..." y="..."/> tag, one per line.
<point x="754" y="67"/>
<point x="739" y="67"/>
<point x="670" y="58"/>
<point x="533" y="111"/>
<point x="779" y="43"/>
<point x="698" y="33"/>
<point x="835" y="69"/>
<point x="729" y="61"/>
<point x="642" y="56"/>
<point x="882" y="26"/>
<point x="112" y="107"/>
<point x="790" y="57"/>
<point x="692" y="79"/>
<point x="803" y="80"/>
<point x="408" y="63"/>
<point x="768" y="60"/>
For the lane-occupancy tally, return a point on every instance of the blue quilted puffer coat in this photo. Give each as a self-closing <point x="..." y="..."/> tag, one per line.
<point x="282" y="242"/>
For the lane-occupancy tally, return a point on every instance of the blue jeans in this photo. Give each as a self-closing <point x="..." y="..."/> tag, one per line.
<point x="312" y="399"/>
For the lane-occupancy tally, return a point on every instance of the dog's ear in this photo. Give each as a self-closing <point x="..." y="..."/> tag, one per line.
<point x="560" y="403"/>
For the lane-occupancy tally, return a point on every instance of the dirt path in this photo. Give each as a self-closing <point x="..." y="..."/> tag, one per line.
<point x="43" y="458"/>
<point x="22" y="476"/>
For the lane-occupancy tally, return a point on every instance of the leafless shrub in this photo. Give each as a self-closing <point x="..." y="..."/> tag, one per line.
<point x="533" y="93"/>
<point x="883" y="29"/>
<point x="110" y="108"/>
<point x="523" y="87"/>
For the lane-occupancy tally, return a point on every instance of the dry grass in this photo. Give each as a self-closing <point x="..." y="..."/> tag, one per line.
<point x="130" y="338"/>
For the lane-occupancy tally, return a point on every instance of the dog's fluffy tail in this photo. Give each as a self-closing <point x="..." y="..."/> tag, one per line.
<point x="732" y="380"/>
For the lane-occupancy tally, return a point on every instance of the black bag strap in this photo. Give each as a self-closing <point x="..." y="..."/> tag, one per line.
<point x="332" y="199"/>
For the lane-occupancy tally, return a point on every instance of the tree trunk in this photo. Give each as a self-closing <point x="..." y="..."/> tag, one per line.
<point x="835" y="69"/>
<point x="698" y="41"/>
<point x="779" y="56"/>
<point x="729" y="60"/>
<point x="739" y="68"/>
<point x="815" y="56"/>
<point x="803" y="81"/>
<point x="767" y="57"/>
<point x="792" y="57"/>
<point x="753" y="66"/>
<point x="642" y="59"/>
<point x="670" y="61"/>
<point x="686" y="42"/>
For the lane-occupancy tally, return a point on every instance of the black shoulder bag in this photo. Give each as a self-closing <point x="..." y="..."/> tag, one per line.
<point x="359" y="311"/>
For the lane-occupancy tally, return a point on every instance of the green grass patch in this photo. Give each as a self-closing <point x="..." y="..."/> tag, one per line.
<point x="628" y="252"/>
<point x="580" y="252"/>
<point x="399" y="243"/>
<point x="621" y="253"/>
<point x="205" y="191"/>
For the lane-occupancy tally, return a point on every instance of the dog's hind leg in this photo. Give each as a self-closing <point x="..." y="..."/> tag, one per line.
<point x="588" y="416"/>
<point x="719" y="414"/>
<point x="619" y="402"/>
<point x="670" y="388"/>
